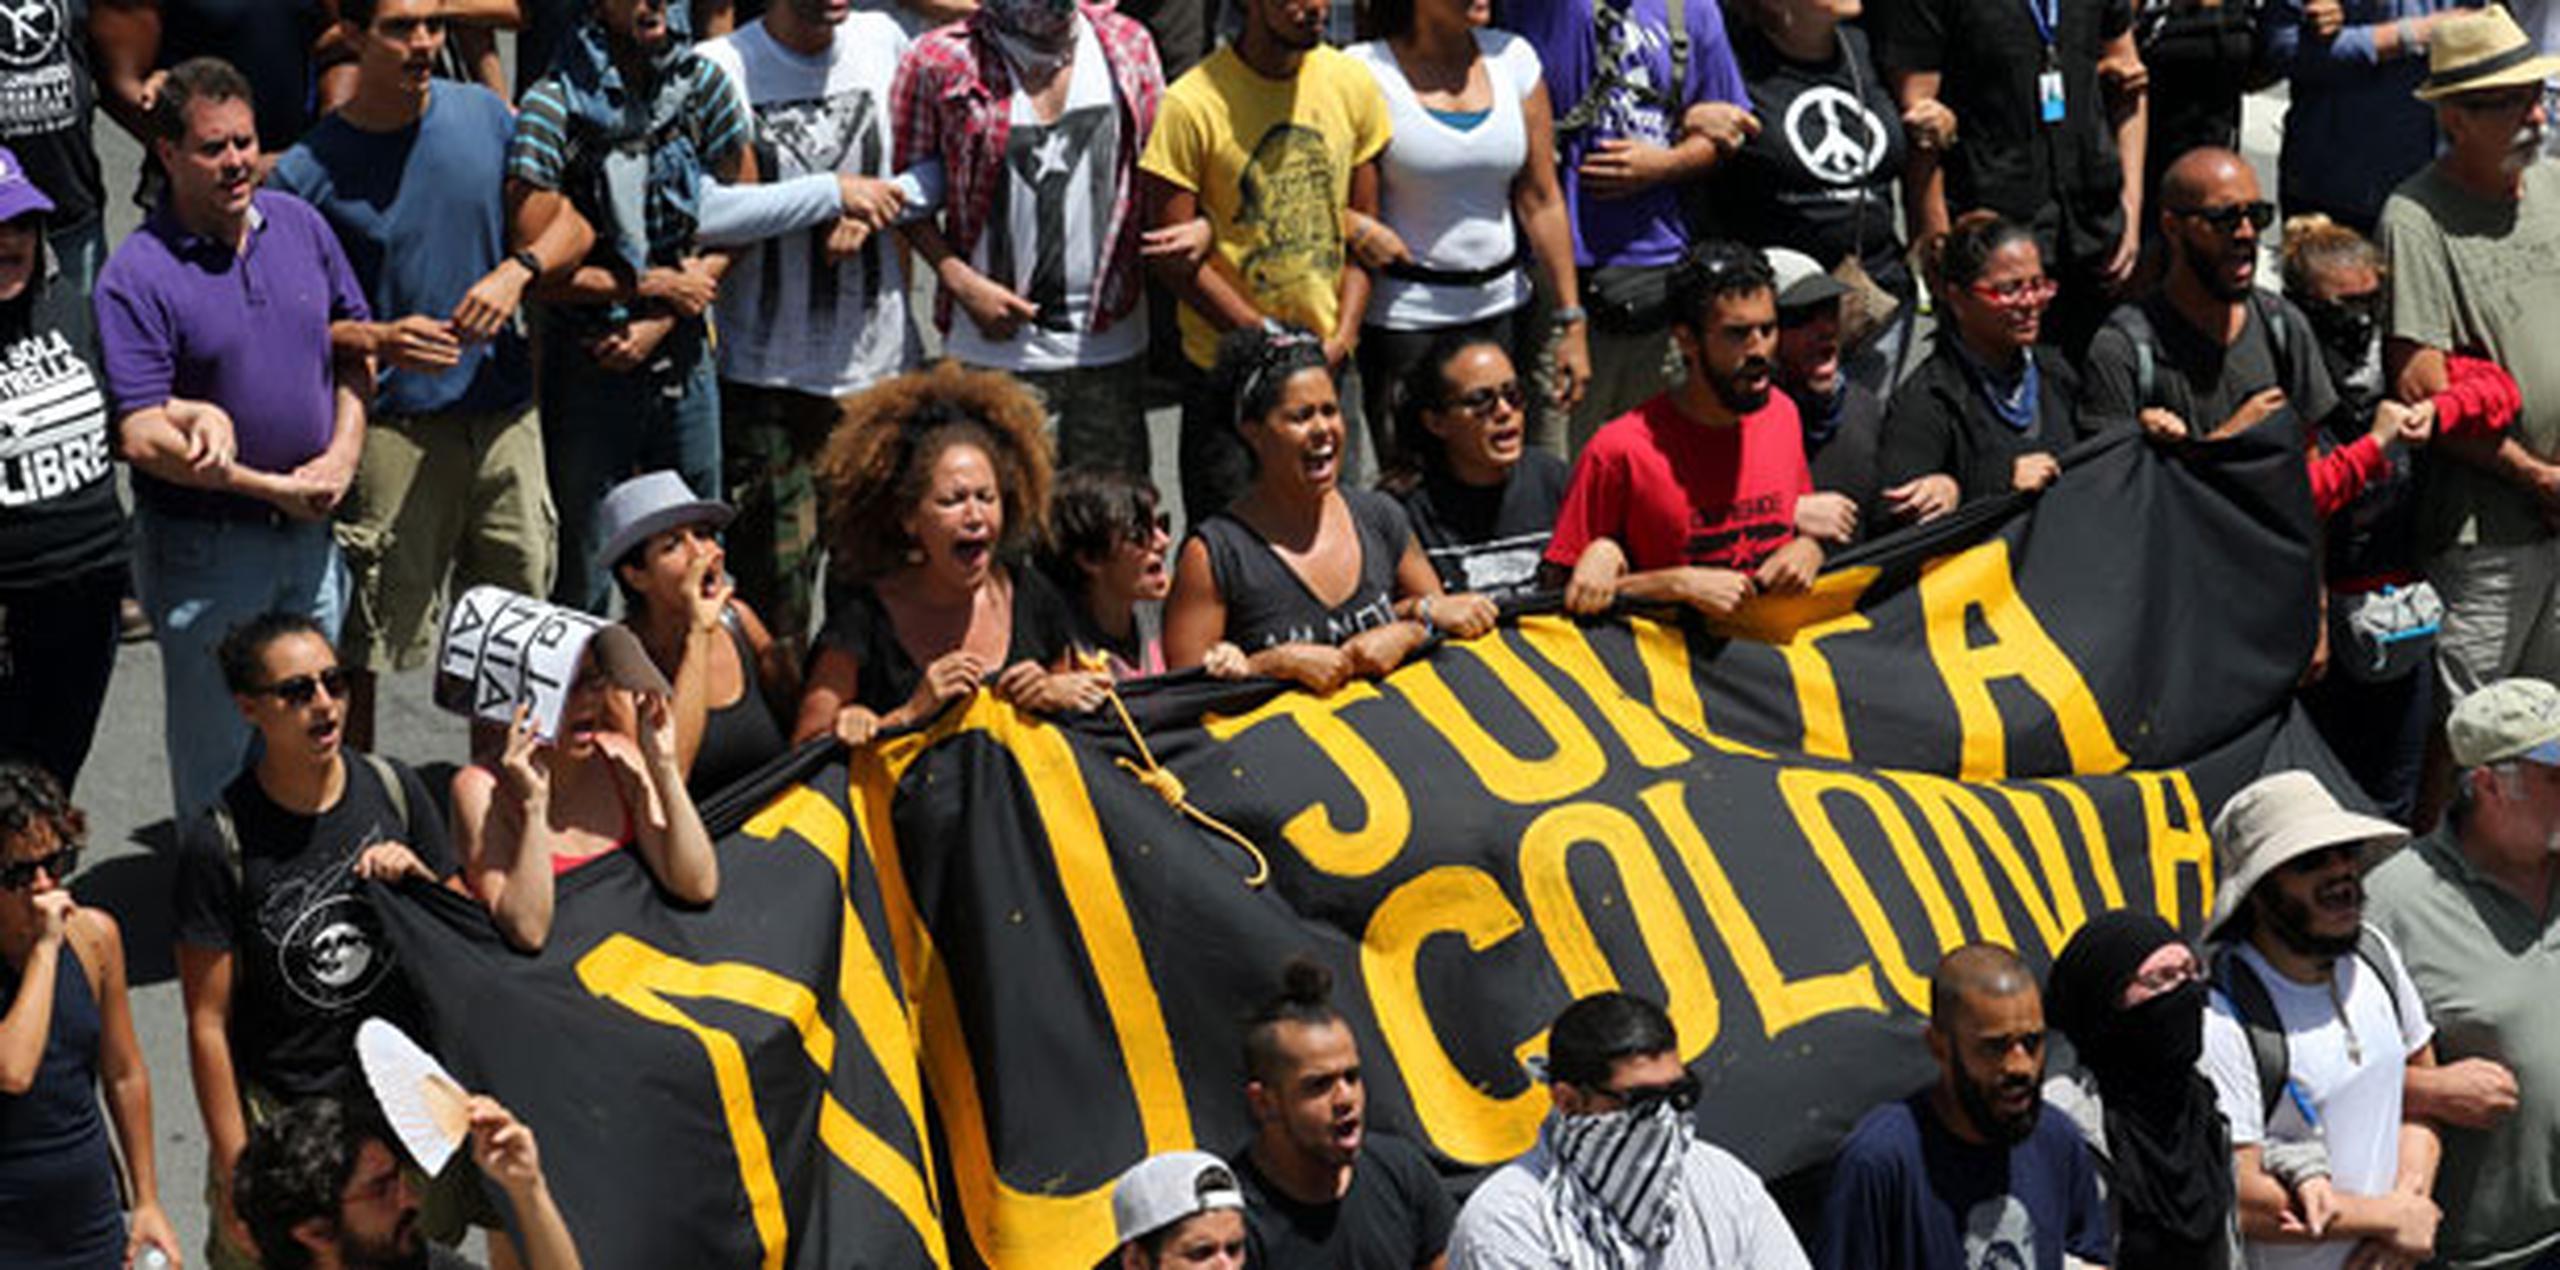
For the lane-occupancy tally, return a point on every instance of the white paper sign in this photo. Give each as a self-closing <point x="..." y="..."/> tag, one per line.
<point x="500" y="648"/>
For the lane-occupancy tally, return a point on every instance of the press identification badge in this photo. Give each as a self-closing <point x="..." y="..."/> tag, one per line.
<point x="2049" y="96"/>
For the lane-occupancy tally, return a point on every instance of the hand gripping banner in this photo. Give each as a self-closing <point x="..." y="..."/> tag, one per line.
<point x="958" y="980"/>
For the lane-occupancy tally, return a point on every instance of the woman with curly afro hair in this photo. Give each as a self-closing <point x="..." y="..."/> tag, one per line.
<point x="932" y="482"/>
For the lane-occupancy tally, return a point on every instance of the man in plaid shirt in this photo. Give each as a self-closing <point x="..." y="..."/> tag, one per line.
<point x="1038" y="111"/>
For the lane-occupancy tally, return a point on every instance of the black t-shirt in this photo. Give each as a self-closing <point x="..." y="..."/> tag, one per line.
<point x="2200" y="59"/>
<point x="2196" y="378"/>
<point x="59" y="517"/>
<point x="1820" y="176"/>
<point x="1395" y="1216"/>
<point x="1268" y="604"/>
<point x="47" y="100"/>
<point x="1940" y="422"/>
<point x="858" y="626"/>
<point x="2064" y="178"/>
<point x="1489" y="538"/>
<point x="1844" y="459"/>
<point x="268" y="40"/>
<point x="309" y="958"/>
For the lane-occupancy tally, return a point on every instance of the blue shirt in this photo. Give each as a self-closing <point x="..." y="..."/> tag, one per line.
<point x="1571" y="37"/>
<point x="433" y="191"/>
<point x="1909" y="1195"/>
<point x="2353" y="131"/>
<point x="185" y="316"/>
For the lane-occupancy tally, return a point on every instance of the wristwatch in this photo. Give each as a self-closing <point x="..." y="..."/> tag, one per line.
<point x="531" y="262"/>
<point x="1567" y="315"/>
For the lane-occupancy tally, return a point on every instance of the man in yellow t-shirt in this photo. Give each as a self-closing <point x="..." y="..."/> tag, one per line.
<point x="1270" y="138"/>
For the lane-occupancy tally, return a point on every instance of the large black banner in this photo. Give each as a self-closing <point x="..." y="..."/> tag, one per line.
<point x="955" y="982"/>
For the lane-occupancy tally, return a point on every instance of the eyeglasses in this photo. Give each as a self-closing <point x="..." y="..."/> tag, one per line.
<point x="18" y="875"/>
<point x="1481" y="401"/>
<point x="2016" y="293"/>
<point x="299" y="690"/>
<point x="2226" y="218"/>
<point x="1681" y="1094"/>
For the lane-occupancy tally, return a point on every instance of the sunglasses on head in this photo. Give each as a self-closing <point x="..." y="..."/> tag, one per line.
<point x="1481" y="401"/>
<point x="1681" y="1095"/>
<point x="2226" y="218"/>
<point x="299" y="690"/>
<point x="18" y="875"/>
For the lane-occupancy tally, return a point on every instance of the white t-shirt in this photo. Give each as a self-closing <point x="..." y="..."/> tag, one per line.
<point x="789" y="317"/>
<point x="1726" y="1220"/>
<point x="1044" y="236"/>
<point x="2357" y="1102"/>
<point x="1446" y="191"/>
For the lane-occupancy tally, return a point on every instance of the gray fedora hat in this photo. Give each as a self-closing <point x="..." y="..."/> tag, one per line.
<point x="650" y="503"/>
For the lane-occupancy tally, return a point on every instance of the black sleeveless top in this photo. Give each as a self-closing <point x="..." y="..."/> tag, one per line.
<point x="58" y="1203"/>
<point x="741" y="736"/>
<point x="858" y="626"/>
<point x="1268" y="604"/>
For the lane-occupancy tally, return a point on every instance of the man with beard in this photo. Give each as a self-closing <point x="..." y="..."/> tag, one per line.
<point x="2210" y="354"/>
<point x="1321" y="1192"/>
<point x="2471" y="904"/>
<point x="323" y="1188"/>
<point x="279" y="954"/>
<point x="1695" y="491"/>
<point x="2471" y="238"/>
<point x="1969" y="1172"/>
<point x="2313" y="1028"/>
<point x="1618" y="1176"/>
<point x="1843" y="420"/>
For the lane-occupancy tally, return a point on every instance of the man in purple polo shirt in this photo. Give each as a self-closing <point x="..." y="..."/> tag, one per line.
<point x="241" y="425"/>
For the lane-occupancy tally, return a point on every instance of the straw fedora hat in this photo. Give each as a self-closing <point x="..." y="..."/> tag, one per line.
<point x="2482" y="49"/>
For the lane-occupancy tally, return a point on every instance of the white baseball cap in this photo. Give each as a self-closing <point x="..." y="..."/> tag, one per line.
<point x="1163" y="1189"/>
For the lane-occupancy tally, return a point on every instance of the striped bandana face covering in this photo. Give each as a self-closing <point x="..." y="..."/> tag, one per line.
<point x="1617" y="1176"/>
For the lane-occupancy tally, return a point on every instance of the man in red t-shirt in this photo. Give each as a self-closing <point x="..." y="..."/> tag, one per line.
<point x="1692" y="495"/>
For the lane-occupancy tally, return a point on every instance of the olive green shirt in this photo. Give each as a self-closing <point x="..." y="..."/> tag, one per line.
<point x="2481" y="276"/>
<point x="2488" y="969"/>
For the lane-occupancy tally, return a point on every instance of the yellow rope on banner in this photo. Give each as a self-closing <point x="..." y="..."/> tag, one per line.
<point x="1168" y="786"/>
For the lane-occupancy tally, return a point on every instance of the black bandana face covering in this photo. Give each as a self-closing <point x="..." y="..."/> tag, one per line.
<point x="2347" y="325"/>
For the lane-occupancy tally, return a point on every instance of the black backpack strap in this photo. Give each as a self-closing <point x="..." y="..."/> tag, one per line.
<point x="2138" y="332"/>
<point x="395" y="790"/>
<point x="2258" y="1020"/>
<point x="2384" y="961"/>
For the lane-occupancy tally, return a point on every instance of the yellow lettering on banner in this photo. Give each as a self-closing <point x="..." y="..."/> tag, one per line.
<point x="1804" y="789"/>
<point x="1795" y="625"/>
<point x="879" y="1013"/>
<point x="1977" y="580"/>
<point x="641" y="979"/>
<point x="1574" y="762"/>
<point x="2188" y="842"/>
<point x="1011" y="1227"/>
<point x="2052" y="901"/>
<point x="1560" y="642"/>
<point x="2093" y="838"/>
<point x="1466" y="1123"/>
<point x="1386" y="819"/>
<point x="1782" y="1002"/>
<point x="1664" y="649"/>
<point x="1546" y="876"/>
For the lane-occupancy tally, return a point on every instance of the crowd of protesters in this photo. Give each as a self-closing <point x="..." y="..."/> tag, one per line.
<point x="1625" y="301"/>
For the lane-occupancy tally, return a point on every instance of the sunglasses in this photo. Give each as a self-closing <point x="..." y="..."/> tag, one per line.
<point x="2316" y="861"/>
<point x="299" y="690"/>
<point x="1681" y="1094"/>
<point x="1143" y="530"/>
<point x="2017" y="292"/>
<point x="2226" y="218"/>
<point x="1481" y="401"/>
<point x="18" y="875"/>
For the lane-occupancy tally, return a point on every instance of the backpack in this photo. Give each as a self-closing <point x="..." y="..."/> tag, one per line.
<point x="1605" y="75"/>
<point x="2240" y="984"/>
<point x="229" y="832"/>
<point x="2135" y="322"/>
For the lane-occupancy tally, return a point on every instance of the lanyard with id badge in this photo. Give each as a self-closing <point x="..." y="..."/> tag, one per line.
<point x="2048" y="16"/>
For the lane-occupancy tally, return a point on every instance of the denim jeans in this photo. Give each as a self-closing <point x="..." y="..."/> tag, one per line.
<point x="199" y="578"/>
<point x="601" y="427"/>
